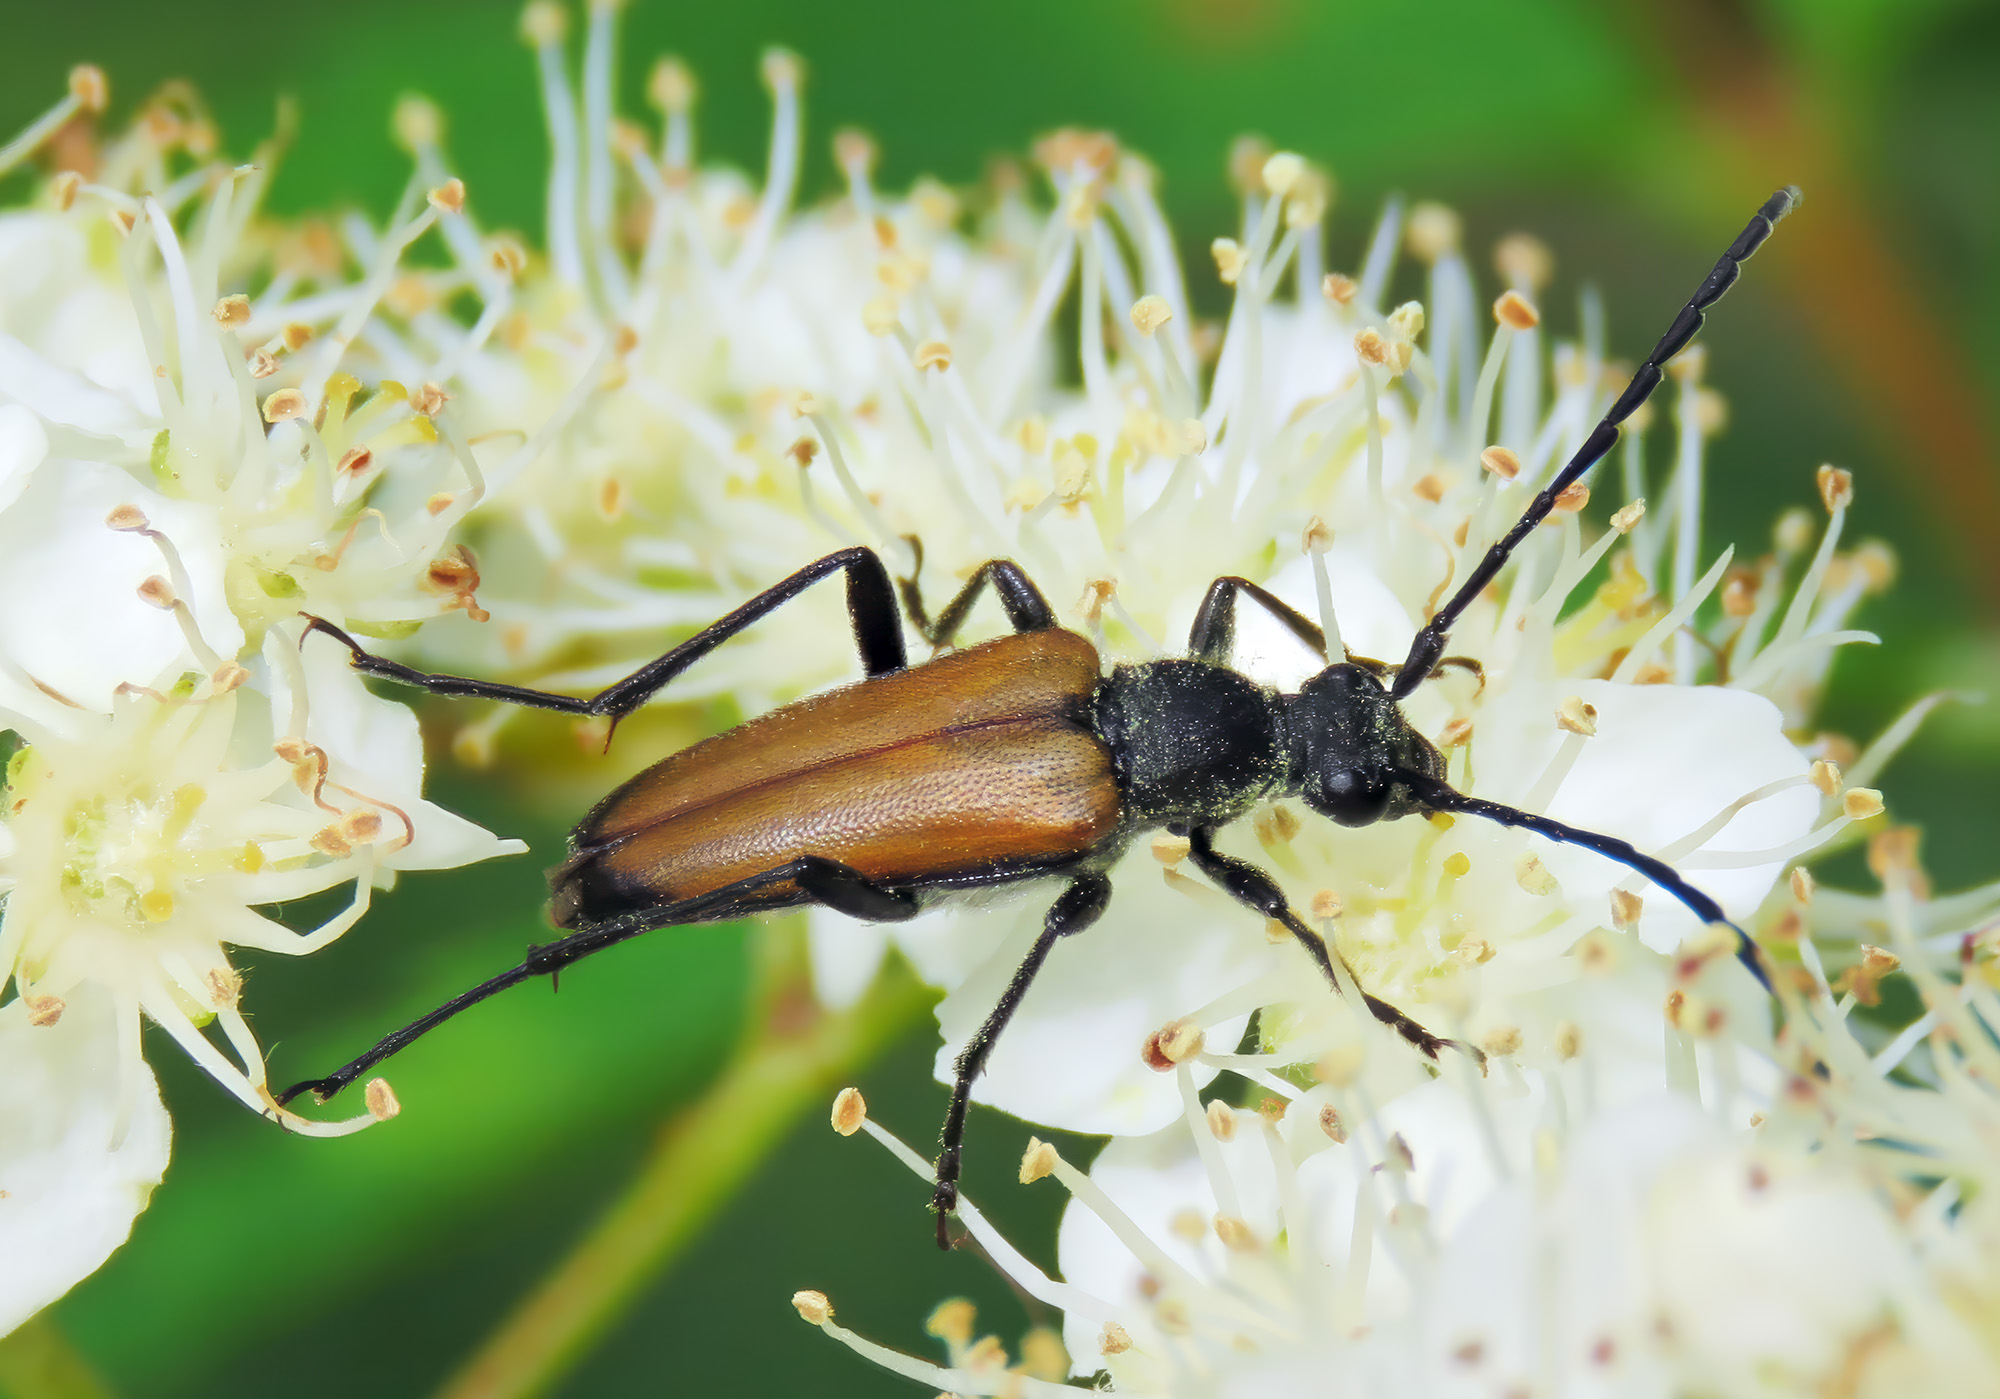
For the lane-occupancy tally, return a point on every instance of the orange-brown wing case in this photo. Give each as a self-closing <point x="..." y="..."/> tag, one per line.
<point x="941" y="772"/>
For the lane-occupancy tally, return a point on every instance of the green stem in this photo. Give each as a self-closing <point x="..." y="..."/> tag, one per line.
<point x="794" y="1057"/>
<point x="38" y="1362"/>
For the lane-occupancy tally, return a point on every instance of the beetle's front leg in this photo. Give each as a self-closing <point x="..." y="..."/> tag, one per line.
<point x="1247" y="884"/>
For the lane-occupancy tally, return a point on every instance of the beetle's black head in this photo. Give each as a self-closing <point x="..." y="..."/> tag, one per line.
<point x="1347" y="742"/>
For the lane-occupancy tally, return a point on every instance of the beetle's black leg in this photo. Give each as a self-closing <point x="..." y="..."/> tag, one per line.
<point x="1439" y="796"/>
<point x="1429" y="643"/>
<point x="1247" y="884"/>
<point x="1075" y="909"/>
<point x="1027" y="609"/>
<point x="871" y="608"/>
<point x="1214" y="630"/>
<point x="825" y="881"/>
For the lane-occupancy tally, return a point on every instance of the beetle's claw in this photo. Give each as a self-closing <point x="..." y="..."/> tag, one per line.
<point x="314" y="624"/>
<point x="320" y="1088"/>
<point x="944" y="1200"/>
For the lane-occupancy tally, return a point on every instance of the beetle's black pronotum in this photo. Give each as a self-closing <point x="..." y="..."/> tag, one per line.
<point x="1015" y="759"/>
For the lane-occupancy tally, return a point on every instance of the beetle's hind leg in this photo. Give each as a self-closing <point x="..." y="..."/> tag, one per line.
<point x="1247" y="884"/>
<point x="823" y="881"/>
<point x="1075" y="909"/>
<point x="871" y="609"/>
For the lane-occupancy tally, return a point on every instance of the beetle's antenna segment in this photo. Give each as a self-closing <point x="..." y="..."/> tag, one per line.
<point x="1318" y="539"/>
<point x="1430" y="642"/>
<point x="1440" y="796"/>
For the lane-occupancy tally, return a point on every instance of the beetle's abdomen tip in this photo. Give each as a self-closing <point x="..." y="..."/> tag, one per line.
<point x="566" y="900"/>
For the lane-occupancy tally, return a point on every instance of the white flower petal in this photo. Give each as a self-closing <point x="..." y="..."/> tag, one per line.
<point x="1071" y="1055"/>
<point x="374" y="746"/>
<point x="80" y="626"/>
<point x="73" y="1184"/>
<point x="65" y="396"/>
<point x="846" y="953"/>
<point x="1665" y="759"/>
<point x="23" y="444"/>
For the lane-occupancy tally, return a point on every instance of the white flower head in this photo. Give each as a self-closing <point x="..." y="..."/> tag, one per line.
<point x="183" y="470"/>
<point x="257" y="473"/>
<point x="1479" y="1235"/>
<point x="139" y="850"/>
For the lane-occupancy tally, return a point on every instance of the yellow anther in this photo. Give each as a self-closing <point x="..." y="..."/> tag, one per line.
<point x="850" y="1110"/>
<point x="90" y="88"/>
<point x="1516" y="312"/>
<point x="285" y="403"/>
<point x="1038" y="1160"/>
<point x="1577" y="716"/>
<point x="1434" y="231"/>
<point x="1533" y="876"/>
<point x="1860" y="803"/>
<point x="1230" y="259"/>
<point x="1149" y="313"/>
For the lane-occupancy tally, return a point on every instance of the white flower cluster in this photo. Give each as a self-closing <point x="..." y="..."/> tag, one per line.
<point x="1593" y="1210"/>
<point x="1646" y="1182"/>
<point x="202" y="435"/>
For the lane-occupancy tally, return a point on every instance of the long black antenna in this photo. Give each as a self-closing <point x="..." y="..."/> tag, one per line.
<point x="1430" y="642"/>
<point x="1439" y="797"/>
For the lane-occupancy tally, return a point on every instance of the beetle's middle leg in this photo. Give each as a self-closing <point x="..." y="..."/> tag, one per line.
<point x="871" y="608"/>
<point x="824" y="881"/>
<point x="1075" y="909"/>
<point x="1247" y="884"/>
<point x="1027" y="609"/>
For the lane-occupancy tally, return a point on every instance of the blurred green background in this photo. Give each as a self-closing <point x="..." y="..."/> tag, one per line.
<point x="1633" y="137"/>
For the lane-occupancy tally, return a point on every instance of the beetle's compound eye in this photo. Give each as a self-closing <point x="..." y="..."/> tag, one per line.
<point x="1351" y="796"/>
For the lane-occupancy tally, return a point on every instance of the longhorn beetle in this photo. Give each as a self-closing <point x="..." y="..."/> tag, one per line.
<point x="1016" y="759"/>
